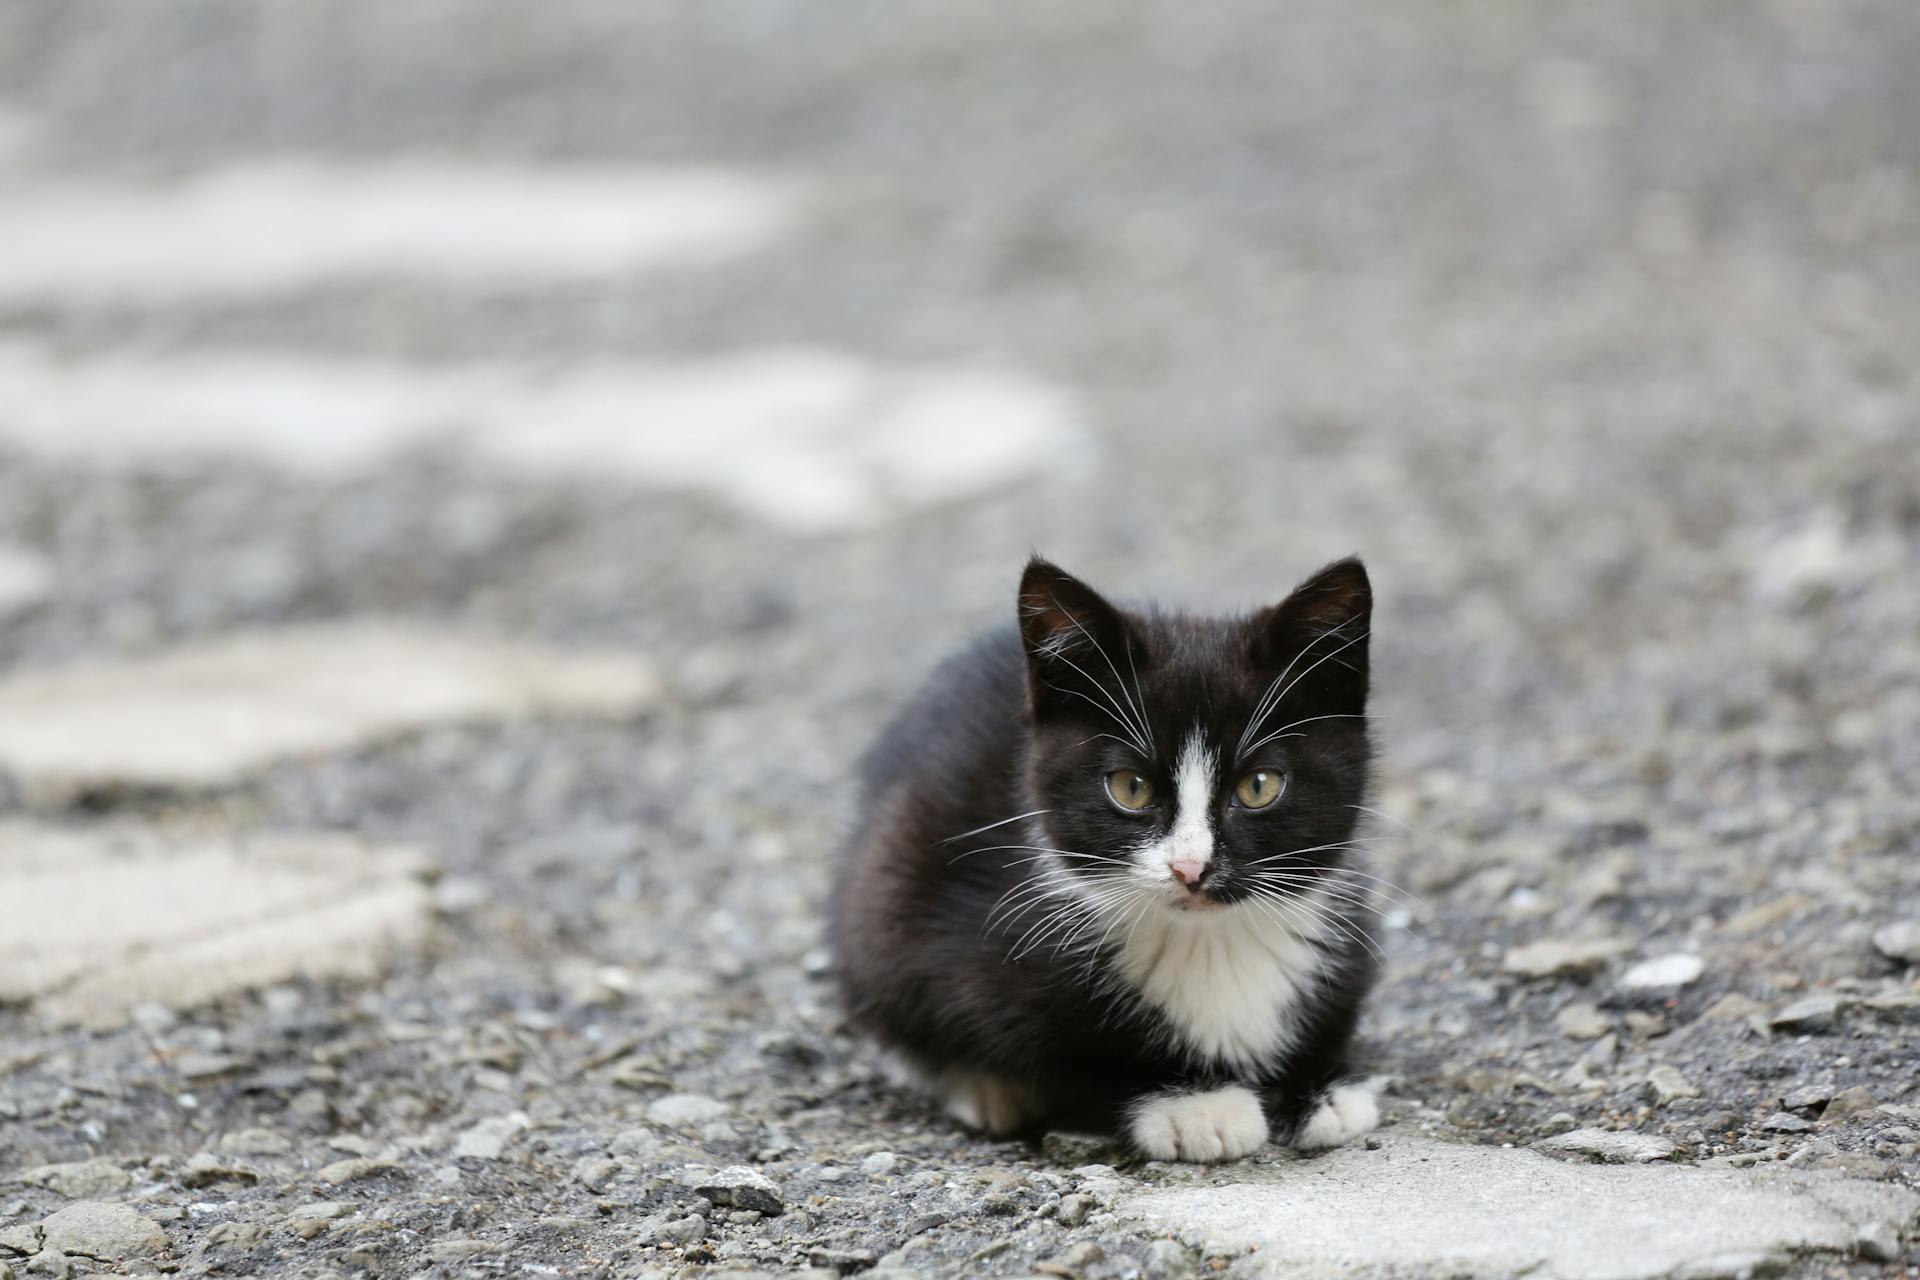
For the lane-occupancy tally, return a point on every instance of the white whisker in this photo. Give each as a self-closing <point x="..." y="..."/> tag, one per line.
<point x="991" y="825"/>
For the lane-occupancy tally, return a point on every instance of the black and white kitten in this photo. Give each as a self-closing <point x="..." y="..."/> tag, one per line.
<point x="1105" y="873"/>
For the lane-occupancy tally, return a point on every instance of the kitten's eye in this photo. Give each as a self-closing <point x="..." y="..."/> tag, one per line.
<point x="1258" y="789"/>
<point x="1129" y="790"/>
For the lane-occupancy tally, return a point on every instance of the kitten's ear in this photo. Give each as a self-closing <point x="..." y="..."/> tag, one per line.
<point x="1077" y="644"/>
<point x="1317" y="638"/>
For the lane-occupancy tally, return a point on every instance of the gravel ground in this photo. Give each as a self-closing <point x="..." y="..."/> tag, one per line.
<point x="1591" y="330"/>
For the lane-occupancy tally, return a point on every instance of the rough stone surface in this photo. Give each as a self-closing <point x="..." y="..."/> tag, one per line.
<point x="1899" y="941"/>
<point x="312" y="905"/>
<point x="25" y="580"/>
<point x="1555" y="957"/>
<point x="108" y="1232"/>
<point x="209" y="714"/>
<point x="1608" y="1146"/>
<point x="685" y="1109"/>
<point x="488" y="1139"/>
<point x="1668" y="1085"/>
<point x="80" y="1180"/>
<point x="808" y="439"/>
<point x="1677" y="970"/>
<point x="740" y="1187"/>
<point x="1814" y="1013"/>
<point x="149" y="241"/>
<point x="1419" y="1207"/>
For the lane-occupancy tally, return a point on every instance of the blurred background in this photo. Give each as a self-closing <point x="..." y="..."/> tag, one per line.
<point x="747" y="348"/>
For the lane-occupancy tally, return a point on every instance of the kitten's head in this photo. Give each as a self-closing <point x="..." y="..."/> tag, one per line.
<point x="1198" y="762"/>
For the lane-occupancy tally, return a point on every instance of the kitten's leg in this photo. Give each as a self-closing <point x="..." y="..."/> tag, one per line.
<point x="1221" y="1124"/>
<point x="1341" y="1114"/>
<point x="980" y="1100"/>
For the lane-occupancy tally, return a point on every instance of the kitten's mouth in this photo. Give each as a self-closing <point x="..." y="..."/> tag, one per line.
<point x="1185" y="899"/>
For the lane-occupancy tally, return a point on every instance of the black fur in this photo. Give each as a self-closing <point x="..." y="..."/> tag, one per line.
<point x="1033" y="718"/>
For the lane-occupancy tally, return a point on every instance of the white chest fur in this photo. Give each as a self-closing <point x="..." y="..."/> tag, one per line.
<point x="1227" y="983"/>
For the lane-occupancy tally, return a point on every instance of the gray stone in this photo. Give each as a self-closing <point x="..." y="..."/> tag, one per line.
<point x="1668" y="1085"/>
<point x="207" y="1169"/>
<point x="488" y="1139"/>
<point x="319" y="904"/>
<point x="1850" y="1102"/>
<point x="1071" y="1263"/>
<point x="1810" y="1097"/>
<point x="20" y="1240"/>
<point x="212" y="713"/>
<point x="1168" y="1260"/>
<point x="843" y="1261"/>
<point x="1812" y="1013"/>
<point x="1417" y="1207"/>
<point x="1582" y="1021"/>
<point x="253" y="1142"/>
<point x="1608" y="1146"/>
<point x="682" y="1230"/>
<point x="1786" y="1122"/>
<point x="1076" y="1149"/>
<point x="1899" y="941"/>
<point x="26" y="580"/>
<point x="1663" y="972"/>
<point x="312" y="222"/>
<point x="678" y="1110"/>
<point x="1075" y="1208"/>
<point x="463" y="1249"/>
<point x="107" y="1232"/>
<point x="879" y="1164"/>
<point x="80" y="1179"/>
<point x="595" y="1171"/>
<point x="740" y="1187"/>
<point x="308" y="1225"/>
<point x="322" y="1209"/>
<point x="1556" y="957"/>
<point x="344" y="1171"/>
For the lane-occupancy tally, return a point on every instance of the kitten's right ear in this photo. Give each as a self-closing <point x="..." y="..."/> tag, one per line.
<point x="1317" y="637"/>
<point x="1077" y="644"/>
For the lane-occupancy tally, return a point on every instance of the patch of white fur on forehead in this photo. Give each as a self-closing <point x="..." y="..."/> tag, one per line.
<point x="1194" y="780"/>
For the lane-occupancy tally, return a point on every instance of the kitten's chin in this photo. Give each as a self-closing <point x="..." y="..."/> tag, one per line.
<point x="1184" y="902"/>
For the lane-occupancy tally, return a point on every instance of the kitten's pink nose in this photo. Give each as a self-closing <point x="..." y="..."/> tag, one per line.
<point x="1188" y="873"/>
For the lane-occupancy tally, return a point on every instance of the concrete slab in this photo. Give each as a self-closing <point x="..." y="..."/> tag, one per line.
<point x="803" y="437"/>
<point x="101" y="919"/>
<point x="209" y="714"/>
<point x="807" y="438"/>
<point x="264" y="227"/>
<point x="1418" y="1207"/>
<point x="26" y="580"/>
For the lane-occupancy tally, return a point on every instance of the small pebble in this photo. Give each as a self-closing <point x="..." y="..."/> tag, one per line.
<point x="1075" y="1208"/>
<point x="1663" y="972"/>
<point x="682" y="1230"/>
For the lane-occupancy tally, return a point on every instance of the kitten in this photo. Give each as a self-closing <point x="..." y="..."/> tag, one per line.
<point x="1105" y="872"/>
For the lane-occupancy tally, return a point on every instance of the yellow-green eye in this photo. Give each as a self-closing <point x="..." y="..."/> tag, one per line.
<point x="1258" y="789"/>
<point x="1130" y="790"/>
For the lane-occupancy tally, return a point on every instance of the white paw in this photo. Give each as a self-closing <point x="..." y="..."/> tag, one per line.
<point x="1348" y="1112"/>
<point x="1222" y="1125"/>
<point x="989" y="1103"/>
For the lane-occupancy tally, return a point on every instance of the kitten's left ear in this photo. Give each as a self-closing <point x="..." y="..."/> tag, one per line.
<point x="1317" y="637"/>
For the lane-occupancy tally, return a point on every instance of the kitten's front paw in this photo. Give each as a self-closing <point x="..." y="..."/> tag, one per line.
<point x="1345" y="1113"/>
<point x="1224" y="1124"/>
